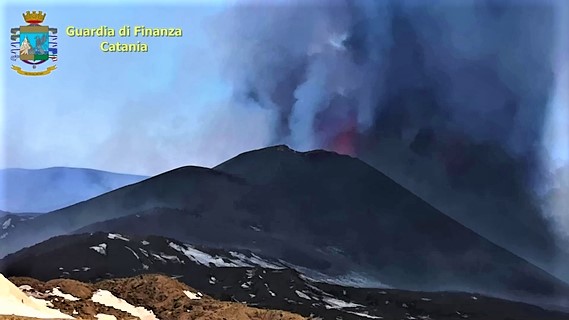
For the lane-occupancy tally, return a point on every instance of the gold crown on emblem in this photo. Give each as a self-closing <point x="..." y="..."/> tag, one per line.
<point x="34" y="17"/>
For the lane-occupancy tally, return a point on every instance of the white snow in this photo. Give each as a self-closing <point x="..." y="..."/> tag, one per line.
<point x="26" y="288"/>
<point x="425" y="299"/>
<point x="212" y="280"/>
<point x="4" y="235"/>
<point x="302" y="295"/>
<point x="201" y="257"/>
<point x="56" y="292"/>
<point x="114" y="236"/>
<point x="352" y="279"/>
<point x="242" y="260"/>
<point x="106" y="298"/>
<point x="192" y="296"/>
<point x="145" y="243"/>
<point x="338" y="304"/>
<point x="255" y="260"/>
<point x="14" y="302"/>
<point x="255" y="228"/>
<point x="101" y="248"/>
<point x="171" y="258"/>
<point x="365" y="315"/>
<point x="134" y="253"/>
<point x="239" y="259"/>
<point x="270" y="292"/>
<point x="144" y="252"/>
<point x="157" y="257"/>
<point x="6" y="224"/>
<point x="102" y="316"/>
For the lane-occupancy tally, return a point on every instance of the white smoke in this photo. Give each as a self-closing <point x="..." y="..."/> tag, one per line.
<point x="556" y="135"/>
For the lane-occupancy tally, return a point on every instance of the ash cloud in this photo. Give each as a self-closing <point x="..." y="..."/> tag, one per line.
<point x="556" y="135"/>
<point x="332" y="69"/>
<point x="448" y="99"/>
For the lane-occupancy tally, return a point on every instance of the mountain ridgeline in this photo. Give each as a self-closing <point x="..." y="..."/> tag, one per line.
<point x="238" y="276"/>
<point x="55" y="188"/>
<point x="330" y="216"/>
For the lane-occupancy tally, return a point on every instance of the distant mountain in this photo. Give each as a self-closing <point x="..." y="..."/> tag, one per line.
<point x="123" y="265"/>
<point x="44" y="190"/>
<point x="330" y="216"/>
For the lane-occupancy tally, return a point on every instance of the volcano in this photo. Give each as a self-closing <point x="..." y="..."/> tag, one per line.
<point x="332" y="217"/>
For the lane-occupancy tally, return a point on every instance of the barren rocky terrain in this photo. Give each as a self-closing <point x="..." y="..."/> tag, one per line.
<point x="153" y="296"/>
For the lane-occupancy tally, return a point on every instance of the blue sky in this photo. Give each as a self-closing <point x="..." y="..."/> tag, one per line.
<point x="140" y="113"/>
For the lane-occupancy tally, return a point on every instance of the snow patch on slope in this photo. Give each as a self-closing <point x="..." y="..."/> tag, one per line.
<point x="333" y="303"/>
<point x="132" y="251"/>
<point x="365" y="315"/>
<point x="116" y="236"/>
<point x="6" y="224"/>
<point x="101" y="248"/>
<point x="106" y="298"/>
<point x="56" y="292"/>
<point x="173" y="259"/>
<point x="302" y="295"/>
<point x="201" y="257"/>
<point x="352" y="279"/>
<point x="193" y="296"/>
<point x="236" y="260"/>
<point x="255" y="260"/>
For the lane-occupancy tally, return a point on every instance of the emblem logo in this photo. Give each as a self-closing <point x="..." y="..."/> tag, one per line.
<point x="34" y="46"/>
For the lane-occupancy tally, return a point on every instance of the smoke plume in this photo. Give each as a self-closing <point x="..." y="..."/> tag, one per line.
<point x="556" y="138"/>
<point x="331" y="70"/>
<point x="464" y="87"/>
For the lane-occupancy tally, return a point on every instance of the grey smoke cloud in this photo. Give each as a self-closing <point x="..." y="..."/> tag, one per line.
<point x="315" y="63"/>
<point x="300" y="65"/>
<point x="462" y="82"/>
<point x="556" y="134"/>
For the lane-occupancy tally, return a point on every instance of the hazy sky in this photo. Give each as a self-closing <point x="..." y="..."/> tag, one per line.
<point x="139" y="113"/>
<point x="311" y="77"/>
